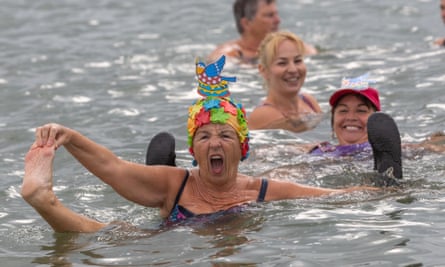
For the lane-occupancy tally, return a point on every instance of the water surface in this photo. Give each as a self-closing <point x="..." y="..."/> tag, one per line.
<point x="121" y="71"/>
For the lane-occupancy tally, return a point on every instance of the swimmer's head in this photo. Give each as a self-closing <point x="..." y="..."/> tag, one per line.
<point x="269" y="46"/>
<point x="217" y="106"/>
<point x="222" y="111"/>
<point x="358" y="87"/>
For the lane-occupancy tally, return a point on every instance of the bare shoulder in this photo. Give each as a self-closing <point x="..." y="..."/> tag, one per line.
<point x="262" y="116"/>
<point x="149" y="185"/>
<point x="313" y="101"/>
<point x="174" y="175"/>
<point x="310" y="50"/>
<point x="229" y="49"/>
<point x="250" y="182"/>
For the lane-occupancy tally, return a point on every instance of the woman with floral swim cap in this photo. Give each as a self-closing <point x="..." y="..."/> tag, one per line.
<point x="218" y="138"/>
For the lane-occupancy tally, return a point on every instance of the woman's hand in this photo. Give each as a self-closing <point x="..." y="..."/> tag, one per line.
<point x="52" y="134"/>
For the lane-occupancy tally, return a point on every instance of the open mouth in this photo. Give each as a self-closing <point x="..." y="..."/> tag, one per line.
<point x="216" y="163"/>
<point x="293" y="81"/>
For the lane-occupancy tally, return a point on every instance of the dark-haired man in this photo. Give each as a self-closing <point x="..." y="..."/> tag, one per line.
<point x="254" y="20"/>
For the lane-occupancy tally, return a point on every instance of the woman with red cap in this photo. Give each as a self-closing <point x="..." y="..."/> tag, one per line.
<point x="359" y="129"/>
<point x="351" y="107"/>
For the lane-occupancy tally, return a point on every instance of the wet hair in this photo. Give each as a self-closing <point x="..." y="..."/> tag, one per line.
<point x="246" y="9"/>
<point x="268" y="47"/>
<point x="367" y="102"/>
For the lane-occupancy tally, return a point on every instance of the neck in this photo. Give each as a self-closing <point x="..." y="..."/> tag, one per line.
<point x="215" y="186"/>
<point x="249" y="43"/>
<point x="217" y="197"/>
<point x="358" y="142"/>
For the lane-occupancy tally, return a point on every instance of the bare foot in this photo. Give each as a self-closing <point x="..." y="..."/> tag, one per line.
<point x="37" y="183"/>
<point x="37" y="190"/>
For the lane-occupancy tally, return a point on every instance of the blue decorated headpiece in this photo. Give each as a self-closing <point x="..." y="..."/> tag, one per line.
<point x="217" y="106"/>
<point x="210" y="81"/>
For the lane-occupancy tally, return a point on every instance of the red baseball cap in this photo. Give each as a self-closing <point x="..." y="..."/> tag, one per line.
<point x="370" y="93"/>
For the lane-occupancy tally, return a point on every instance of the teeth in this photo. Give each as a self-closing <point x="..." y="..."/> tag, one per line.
<point x="215" y="157"/>
<point x="351" y="127"/>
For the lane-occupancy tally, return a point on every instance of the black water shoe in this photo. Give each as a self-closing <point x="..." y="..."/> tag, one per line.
<point x="161" y="150"/>
<point x="384" y="138"/>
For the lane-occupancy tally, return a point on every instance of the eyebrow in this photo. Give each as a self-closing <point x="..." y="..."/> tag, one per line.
<point x="359" y="105"/>
<point x="295" y="57"/>
<point x="225" y="130"/>
<point x="231" y="131"/>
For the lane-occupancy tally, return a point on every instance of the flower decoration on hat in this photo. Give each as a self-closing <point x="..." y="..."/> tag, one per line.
<point x="217" y="106"/>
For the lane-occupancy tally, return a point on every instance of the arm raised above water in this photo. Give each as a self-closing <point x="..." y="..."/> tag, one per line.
<point x="136" y="182"/>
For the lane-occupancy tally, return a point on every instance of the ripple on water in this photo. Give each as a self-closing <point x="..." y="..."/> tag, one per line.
<point x="120" y="71"/>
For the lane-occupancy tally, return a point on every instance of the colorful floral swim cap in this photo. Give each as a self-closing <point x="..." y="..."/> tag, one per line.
<point x="217" y="106"/>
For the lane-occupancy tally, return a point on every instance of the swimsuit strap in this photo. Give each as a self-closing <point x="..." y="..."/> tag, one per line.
<point x="178" y="196"/>
<point x="307" y="101"/>
<point x="302" y="96"/>
<point x="263" y="190"/>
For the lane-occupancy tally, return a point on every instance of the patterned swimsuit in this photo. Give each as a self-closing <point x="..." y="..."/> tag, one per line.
<point x="179" y="213"/>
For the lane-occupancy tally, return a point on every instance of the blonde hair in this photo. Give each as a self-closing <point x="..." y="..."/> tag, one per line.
<point x="268" y="47"/>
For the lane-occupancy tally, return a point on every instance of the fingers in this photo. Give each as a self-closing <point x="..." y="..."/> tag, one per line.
<point x="47" y="135"/>
<point x="52" y="136"/>
<point x="41" y="136"/>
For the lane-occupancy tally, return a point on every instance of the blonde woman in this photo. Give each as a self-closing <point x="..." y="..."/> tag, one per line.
<point x="281" y="64"/>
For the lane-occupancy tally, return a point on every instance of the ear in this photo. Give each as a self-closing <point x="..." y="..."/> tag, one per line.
<point x="244" y="23"/>
<point x="262" y="71"/>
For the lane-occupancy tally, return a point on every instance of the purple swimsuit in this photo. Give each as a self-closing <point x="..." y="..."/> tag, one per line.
<point x="329" y="150"/>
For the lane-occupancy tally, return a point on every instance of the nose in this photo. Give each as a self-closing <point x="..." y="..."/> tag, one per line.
<point x="215" y="142"/>
<point x="292" y="67"/>
<point x="350" y="115"/>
